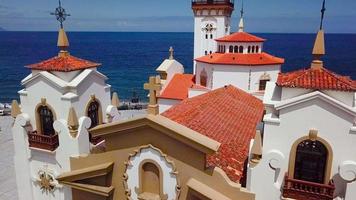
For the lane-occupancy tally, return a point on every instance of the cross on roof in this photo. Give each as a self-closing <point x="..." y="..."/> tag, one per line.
<point x="60" y="14"/>
<point x="323" y="9"/>
<point x="154" y="86"/>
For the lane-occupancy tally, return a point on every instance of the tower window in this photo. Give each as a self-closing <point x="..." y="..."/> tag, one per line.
<point x="210" y="52"/>
<point x="241" y="49"/>
<point x="257" y="49"/>
<point x="236" y="49"/>
<point x="249" y="49"/>
<point x="224" y="48"/>
<point x="206" y="36"/>
<point x="46" y="120"/>
<point x="203" y="78"/>
<point x="206" y="52"/>
<point x="231" y="49"/>
<point x="211" y="36"/>
<point x="253" y="49"/>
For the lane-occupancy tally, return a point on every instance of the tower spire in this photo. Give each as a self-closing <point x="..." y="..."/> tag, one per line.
<point x="241" y="24"/>
<point x="319" y="45"/>
<point x="63" y="42"/>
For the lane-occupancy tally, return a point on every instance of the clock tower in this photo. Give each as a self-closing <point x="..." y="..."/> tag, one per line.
<point x="211" y="21"/>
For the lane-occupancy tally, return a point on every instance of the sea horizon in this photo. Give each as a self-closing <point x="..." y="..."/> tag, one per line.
<point x="129" y="58"/>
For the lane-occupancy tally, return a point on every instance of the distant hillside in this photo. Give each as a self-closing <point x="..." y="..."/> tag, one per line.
<point x="1" y="29"/>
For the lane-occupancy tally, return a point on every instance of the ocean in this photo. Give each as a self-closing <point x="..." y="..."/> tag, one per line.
<point x="128" y="59"/>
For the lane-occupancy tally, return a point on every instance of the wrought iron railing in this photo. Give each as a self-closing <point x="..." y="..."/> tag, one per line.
<point x="41" y="141"/>
<point x="300" y="190"/>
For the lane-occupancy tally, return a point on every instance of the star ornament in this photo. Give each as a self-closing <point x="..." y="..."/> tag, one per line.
<point x="46" y="181"/>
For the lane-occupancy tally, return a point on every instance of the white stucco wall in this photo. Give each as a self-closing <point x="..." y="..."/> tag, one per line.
<point x="246" y="78"/>
<point x="333" y="123"/>
<point x="165" y="104"/>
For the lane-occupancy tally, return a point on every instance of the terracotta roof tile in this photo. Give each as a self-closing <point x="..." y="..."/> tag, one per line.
<point x="240" y="37"/>
<point x="63" y="64"/>
<point x="321" y="79"/>
<point x="241" y="59"/>
<point x="178" y="87"/>
<point x="227" y="115"/>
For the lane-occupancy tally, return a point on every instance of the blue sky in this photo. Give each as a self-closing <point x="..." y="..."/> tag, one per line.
<point x="286" y="16"/>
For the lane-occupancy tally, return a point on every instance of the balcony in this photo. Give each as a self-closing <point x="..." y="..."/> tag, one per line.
<point x="45" y="142"/>
<point x="197" y="3"/>
<point x="301" y="190"/>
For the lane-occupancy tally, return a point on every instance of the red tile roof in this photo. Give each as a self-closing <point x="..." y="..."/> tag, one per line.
<point x="227" y="115"/>
<point x="178" y="87"/>
<point x="241" y="59"/>
<point x="321" y="79"/>
<point x="240" y="37"/>
<point x="63" y="64"/>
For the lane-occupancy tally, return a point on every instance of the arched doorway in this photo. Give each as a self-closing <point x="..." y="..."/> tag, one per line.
<point x="310" y="161"/>
<point x="46" y="119"/>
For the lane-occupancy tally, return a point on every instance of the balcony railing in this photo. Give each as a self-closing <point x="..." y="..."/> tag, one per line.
<point x="43" y="141"/>
<point x="301" y="190"/>
<point x="213" y="2"/>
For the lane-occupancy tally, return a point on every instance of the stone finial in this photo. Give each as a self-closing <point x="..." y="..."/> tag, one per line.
<point x="63" y="43"/>
<point x="256" y="149"/>
<point x="73" y="123"/>
<point x="154" y="86"/>
<point x="115" y="100"/>
<point x="318" y="50"/>
<point x="313" y="135"/>
<point x="171" y="53"/>
<point x="15" y="109"/>
<point x="241" y="25"/>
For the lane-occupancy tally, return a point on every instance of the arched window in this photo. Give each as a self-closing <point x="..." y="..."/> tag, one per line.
<point x="211" y="36"/>
<point x="257" y="49"/>
<point x="203" y="78"/>
<point x="241" y="49"/>
<point x="236" y="49"/>
<point x="206" y="52"/>
<point x="253" y="49"/>
<point x="206" y="36"/>
<point x="310" y="161"/>
<point x="231" y="49"/>
<point x="210" y="52"/>
<point x="224" y="49"/>
<point x="93" y="113"/>
<point x="220" y="49"/>
<point x="46" y="119"/>
<point x="150" y="180"/>
<point x="249" y="49"/>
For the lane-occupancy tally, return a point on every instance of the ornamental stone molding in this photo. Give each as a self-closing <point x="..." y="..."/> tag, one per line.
<point x="169" y="173"/>
<point x="275" y="159"/>
<point x="347" y="170"/>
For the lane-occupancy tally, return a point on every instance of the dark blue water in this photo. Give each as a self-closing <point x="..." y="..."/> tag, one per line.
<point x="129" y="58"/>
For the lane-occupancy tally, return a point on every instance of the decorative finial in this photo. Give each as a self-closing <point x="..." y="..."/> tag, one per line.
<point x="115" y="100"/>
<point x="60" y="14"/>
<point x="15" y="109"/>
<point x="256" y="149"/>
<point x="154" y="86"/>
<point x="241" y="24"/>
<point x="73" y="123"/>
<point x="171" y="53"/>
<point x="319" y="45"/>
<point x="63" y="42"/>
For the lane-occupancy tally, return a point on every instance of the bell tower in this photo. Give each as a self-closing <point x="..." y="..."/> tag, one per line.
<point x="211" y="21"/>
